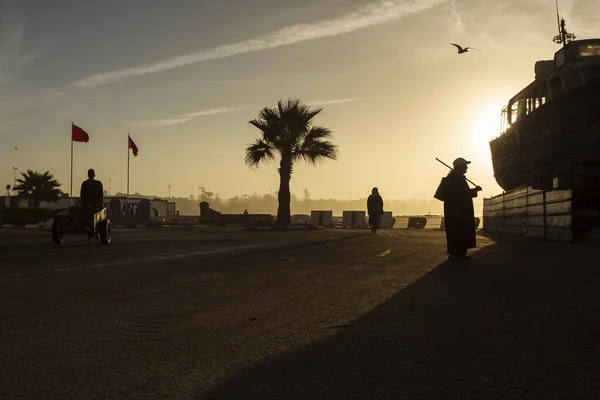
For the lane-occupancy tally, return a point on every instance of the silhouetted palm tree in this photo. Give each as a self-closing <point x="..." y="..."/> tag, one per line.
<point x="38" y="187"/>
<point x="287" y="131"/>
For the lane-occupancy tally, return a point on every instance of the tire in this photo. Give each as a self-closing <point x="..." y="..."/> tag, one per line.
<point x="58" y="237"/>
<point x="105" y="231"/>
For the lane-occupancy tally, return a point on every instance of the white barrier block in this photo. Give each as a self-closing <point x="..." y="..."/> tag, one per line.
<point x="354" y="219"/>
<point x="321" y="218"/>
<point x="387" y="220"/>
<point x="300" y="218"/>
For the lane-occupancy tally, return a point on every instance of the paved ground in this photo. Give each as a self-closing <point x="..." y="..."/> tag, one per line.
<point x="336" y="314"/>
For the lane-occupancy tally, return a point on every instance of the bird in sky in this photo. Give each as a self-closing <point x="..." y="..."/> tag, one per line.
<point x="461" y="50"/>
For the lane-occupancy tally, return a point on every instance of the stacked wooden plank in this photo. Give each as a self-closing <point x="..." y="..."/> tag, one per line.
<point x="521" y="211"/>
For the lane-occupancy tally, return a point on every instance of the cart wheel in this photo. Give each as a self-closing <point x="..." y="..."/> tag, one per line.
<point x="104" y="231"/>
<point x="58" y="237"/>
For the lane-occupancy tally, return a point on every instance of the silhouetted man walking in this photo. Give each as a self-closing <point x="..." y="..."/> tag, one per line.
<point x="459" y="215"/>
<point x="375" y="209"/>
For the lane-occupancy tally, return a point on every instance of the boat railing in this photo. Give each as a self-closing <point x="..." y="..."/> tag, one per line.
<point x="504" y="125"/>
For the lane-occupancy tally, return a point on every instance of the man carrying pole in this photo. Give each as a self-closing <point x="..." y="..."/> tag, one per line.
<point x="459" y="214"/>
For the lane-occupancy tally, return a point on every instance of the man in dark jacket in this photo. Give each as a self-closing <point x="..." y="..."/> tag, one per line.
<point x="92" y="192"/>
<point x="459" y="215"/>
<point x="375" y="209"/>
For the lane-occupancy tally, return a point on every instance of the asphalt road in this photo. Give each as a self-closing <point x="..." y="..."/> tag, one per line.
<point x="336" y="314"/>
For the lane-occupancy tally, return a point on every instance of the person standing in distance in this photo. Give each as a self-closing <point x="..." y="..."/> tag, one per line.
<point x="92" y="198"/>
<point x="92" y="192"/>
<point x="375" y="209"/>
<point x="459" y="214"/>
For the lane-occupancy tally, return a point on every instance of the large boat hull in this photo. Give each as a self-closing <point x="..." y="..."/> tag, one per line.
<point x="563" y="133"/>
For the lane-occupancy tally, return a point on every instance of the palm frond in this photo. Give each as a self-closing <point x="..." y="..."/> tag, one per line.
<point x="287" y="129"/>
<point x="259" y="151"/>
<point x="296" y="118"/>
<point x="269" y="116"/>
<point x="316" y="133"/>
<point x="269" y="131"/>
<point x="318" y="151"/>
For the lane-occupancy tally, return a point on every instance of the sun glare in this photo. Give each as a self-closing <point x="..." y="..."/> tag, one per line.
<point x="484" y="127"/>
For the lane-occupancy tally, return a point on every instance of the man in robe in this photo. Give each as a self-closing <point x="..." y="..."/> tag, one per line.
<point x="459" y="214"/>
<point x="375" y="209"/>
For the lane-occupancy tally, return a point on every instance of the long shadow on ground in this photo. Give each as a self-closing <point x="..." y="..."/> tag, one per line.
<point x="519" y="320"/>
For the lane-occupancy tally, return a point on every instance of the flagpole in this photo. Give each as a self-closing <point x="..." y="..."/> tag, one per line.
<point x="71" y="191"/>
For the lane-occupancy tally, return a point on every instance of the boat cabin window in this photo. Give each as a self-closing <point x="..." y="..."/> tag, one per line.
<point x="589" y="49"/>
<point x="529" y="100"/>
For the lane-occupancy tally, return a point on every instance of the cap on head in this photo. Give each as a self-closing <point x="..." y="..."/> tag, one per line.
<point x="91" y="173"/>
<point x="460" y="161"/>
<point x="375" y="191"/>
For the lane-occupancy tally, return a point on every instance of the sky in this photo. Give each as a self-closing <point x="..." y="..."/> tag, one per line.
<point x="183" y="78"/>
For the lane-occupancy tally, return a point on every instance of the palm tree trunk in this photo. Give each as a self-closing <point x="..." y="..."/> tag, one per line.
<point x="284" y="213"/>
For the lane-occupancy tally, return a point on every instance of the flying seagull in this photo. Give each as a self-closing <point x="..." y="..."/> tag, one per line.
<point x="461" y="50"/>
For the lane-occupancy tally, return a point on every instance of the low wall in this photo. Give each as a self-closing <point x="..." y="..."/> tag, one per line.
<point x="521" y="212"/>
<point x="25" y="216"/>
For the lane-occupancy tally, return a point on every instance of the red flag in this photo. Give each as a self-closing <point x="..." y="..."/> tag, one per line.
<point x="132" y="146"/>
<point x="79" y="135"/>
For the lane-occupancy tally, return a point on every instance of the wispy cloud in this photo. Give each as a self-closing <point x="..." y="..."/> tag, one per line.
<point x="334" y="101"/>
<point x="373" y="14"/>
<point x="491" y="41"/>
<point x="224" y="81"/>
<point x="186" y="117"/>
<point x="213" y="111"/>
<point x="151" y="123"/>
<point x="12" y="56"/>
<point x="458" y="22"/>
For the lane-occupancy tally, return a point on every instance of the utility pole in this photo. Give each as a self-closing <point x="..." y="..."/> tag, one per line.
<point x="109" y="186"/>
<point x="169" y="191"/>
<point x="14" y="178"/>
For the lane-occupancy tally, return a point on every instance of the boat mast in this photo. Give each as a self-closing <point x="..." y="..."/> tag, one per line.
<point x="558" y="23"/>
<point x="563" y="35"/>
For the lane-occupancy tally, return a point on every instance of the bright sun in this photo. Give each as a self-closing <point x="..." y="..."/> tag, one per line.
<point x="484" y="127"/>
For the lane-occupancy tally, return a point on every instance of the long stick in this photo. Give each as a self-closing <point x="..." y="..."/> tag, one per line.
<point x="452" y="170"/>
<point x="71" y="190"/>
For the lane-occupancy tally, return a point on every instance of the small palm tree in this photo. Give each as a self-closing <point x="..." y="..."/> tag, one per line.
<point x="287" y="131"/>
<point x="38" y="187"/>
